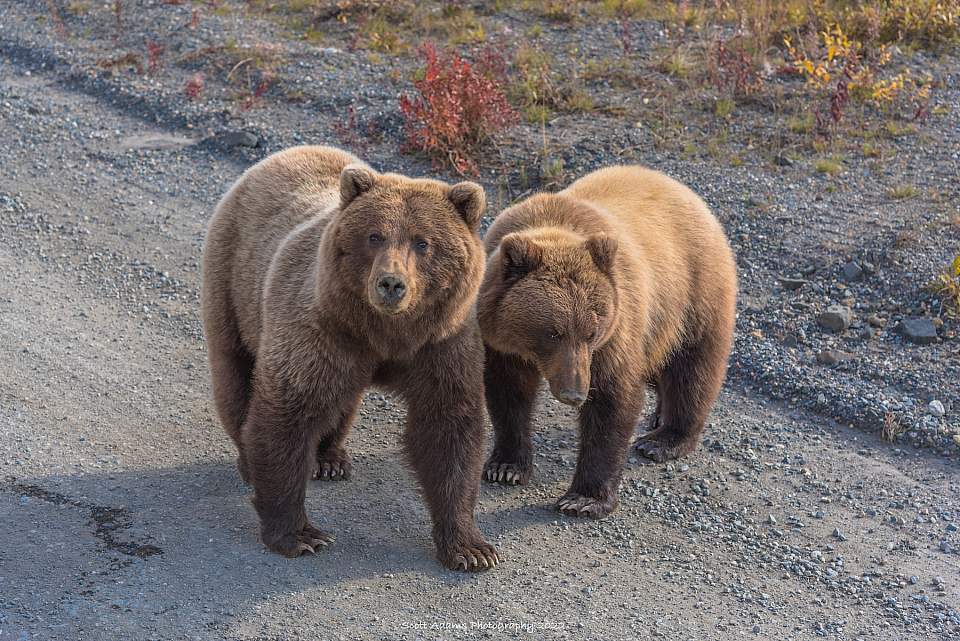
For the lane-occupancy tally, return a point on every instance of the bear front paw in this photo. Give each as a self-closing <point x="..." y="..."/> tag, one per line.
<point x="497" y="470"/>
<point x="474" y="555"/>
<point x="308" y="540"/>
<point x="333" y="464"/>
<point x="574" y="504"/>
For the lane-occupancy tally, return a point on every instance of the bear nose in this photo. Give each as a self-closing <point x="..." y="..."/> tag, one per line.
<point x="391" y="288"/>
<point x="571" y="397"/>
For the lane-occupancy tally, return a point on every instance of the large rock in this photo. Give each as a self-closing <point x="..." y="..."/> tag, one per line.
<point x="237" y="138"/>
<point x="852" y="271"/>
<point x="837" y="318"/>
<point x="921" y="331"/>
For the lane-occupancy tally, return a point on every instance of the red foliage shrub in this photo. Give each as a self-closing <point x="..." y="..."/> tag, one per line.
<point x="194" y="86"/>
<point x="734" y="69"/>
<point x="154" y="54"/>
<point x="458" y="106"/>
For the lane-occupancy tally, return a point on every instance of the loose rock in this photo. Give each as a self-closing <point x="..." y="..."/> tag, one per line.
<point x="936" y="408"/>
<point x="852" y="271"/>
<point x="921" y="331"/>
<point x="836" y="319"/>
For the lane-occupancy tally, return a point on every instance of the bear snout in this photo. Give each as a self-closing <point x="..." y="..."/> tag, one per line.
<point x="570" y="397"/>
<point x="390" y="292"/>
<point x="570" y="389"/>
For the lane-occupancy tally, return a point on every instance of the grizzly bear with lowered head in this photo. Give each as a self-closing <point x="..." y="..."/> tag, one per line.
<point x="621" y="280"/>
<point x="321" y="278"/>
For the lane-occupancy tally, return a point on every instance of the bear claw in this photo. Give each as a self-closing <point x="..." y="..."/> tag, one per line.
<point x="309" y="540"/>
<point x="333" y="466"/>
<point x="481" y="556"/>
<point x="506" y="473"/>
<point x="660" y="448"/>
<point x="573" y="504"/>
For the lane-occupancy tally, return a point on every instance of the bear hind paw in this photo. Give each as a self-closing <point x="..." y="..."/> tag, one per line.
<point x="661" y="446"/>
<point x="333" y="464"/>
<point x="507" y="473"/>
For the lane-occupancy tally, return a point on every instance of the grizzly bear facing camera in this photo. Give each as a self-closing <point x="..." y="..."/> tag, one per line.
<point x="623" y="279"/>
<point x="321" y="278"/>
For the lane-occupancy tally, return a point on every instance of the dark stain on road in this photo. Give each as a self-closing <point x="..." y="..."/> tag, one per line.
<point x="109" y="522"/>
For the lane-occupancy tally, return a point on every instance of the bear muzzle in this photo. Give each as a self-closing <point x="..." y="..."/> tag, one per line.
<point x="569" y="375"/>
<point x="575" y="398"/>
<point x="570" y="388"/>
<point x="390" y="293"/>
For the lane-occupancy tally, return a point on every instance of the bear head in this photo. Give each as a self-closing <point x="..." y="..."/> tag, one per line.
<point x="407" y="248"/>
<point x="550" y="297"/>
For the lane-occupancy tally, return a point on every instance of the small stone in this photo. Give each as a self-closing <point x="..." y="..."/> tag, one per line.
<point x="936" y="408"/>
<point x="783" y="160"/>
<point x="837" y="534"/>
<point x="952" y="527"/>
<point x="852" y="271"/>
<point x="836" y="319"/>
<point x="921" y="331"/>
<point x="946" y="547"/>
<point x="792" y="284"/>
<point x="832" y="357"/>
<point x="756" y="629"/>
<point x="876" y="321"/>
<point x="771" y="519"/>
<point x="867" y="332"/>
<point x="914" y="579"/>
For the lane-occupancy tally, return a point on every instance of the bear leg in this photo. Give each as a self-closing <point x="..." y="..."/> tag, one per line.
<point x="686" y="390"/>
<point x="607" y="421"/>
<point x="511" y="389"/>
<point x="443" y="441"/>
<point x="333" y="460"/>
<point x="231" y="374"/>
<point x="280" y="438"/>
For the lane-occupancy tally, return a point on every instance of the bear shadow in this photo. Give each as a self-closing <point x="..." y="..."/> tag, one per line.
<point x="192" y="528"/>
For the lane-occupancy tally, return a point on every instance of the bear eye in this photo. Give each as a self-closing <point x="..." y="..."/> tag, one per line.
<point x="556" y="335"/>
<point x="376" y="239"/>
<point x="421" y="245"/>
<point x="593" y="336"/>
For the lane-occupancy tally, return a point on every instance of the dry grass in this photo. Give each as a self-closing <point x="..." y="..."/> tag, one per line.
<point x="947" y="286"/>
<point x="830" y="166"/>
<point x="892" y="429"/>
<point x="902" y="192"/>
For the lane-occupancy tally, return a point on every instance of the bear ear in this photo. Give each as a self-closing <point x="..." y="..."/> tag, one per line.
<point x="520" y="255"/>
<point x="355" y="180"/>
<point x="470" y="200"/>
<point x="603" y="251"/>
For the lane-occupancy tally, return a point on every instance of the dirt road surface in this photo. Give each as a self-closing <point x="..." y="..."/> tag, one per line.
<point x="123" y="516"/>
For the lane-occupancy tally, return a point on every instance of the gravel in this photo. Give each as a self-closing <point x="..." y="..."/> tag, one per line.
<point x="784" y="220"/>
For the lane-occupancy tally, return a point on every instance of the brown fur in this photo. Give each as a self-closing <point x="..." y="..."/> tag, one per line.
<point x="300" y="320"/>
<point x="623" y="279"/>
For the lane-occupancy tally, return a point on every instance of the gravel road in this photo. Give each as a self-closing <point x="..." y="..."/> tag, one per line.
<point x="124" y="517"/>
